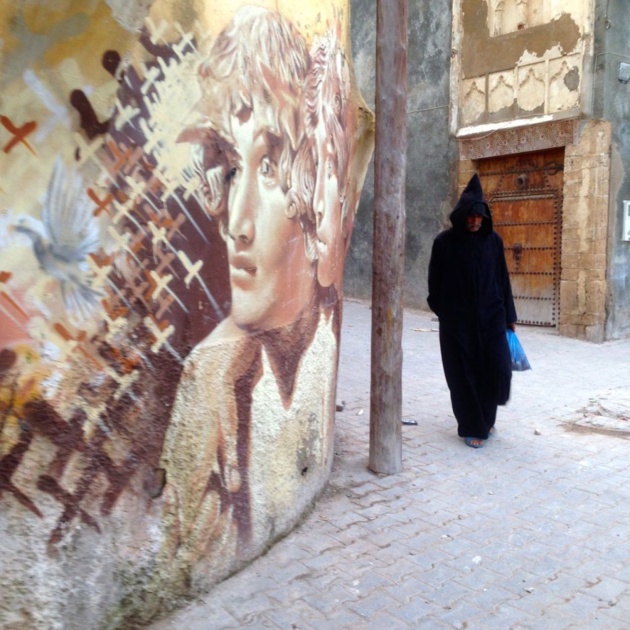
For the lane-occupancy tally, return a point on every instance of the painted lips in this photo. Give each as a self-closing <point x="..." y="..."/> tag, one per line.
<point x="242" y="271"/>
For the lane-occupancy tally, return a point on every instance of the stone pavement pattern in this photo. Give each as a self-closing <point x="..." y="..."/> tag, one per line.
<point x="530" y="532"/>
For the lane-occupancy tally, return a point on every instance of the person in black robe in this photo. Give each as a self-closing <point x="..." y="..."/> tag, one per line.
<point x="470" y="292"/>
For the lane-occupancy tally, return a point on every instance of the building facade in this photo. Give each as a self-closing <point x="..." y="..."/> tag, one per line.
<point x="538" y="105"/>
<point x="535" y="111"/>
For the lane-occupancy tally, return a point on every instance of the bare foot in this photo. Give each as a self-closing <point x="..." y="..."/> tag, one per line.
<point x="473" y="442"/>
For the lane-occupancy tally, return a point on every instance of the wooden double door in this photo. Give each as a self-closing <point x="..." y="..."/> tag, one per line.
<point x="525" y="194"/>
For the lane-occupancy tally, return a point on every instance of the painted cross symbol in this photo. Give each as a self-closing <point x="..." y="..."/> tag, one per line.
<point x="157" y="30"/>
<point x="137" y="188"/>
<point x="99" y="272"/>
<point x="165" y="262"/>
<point x="192" y="269"/>
<point x="152" y="140"/>
<point x="124" y="382"/>
<point x="157" y="284"/>
<point x="122" y="240"/>
<point x="77" y="342"/>
<point x="115" y="311"/>
<point x="122" y="210"/>
<point x="161" y="332"/>
<point x="101" y="204"/>
<point x="124" y="363"/>
<point x="186" y="40"/>
<point x="19" y="134"/>
<point x="114" y="326"/>
<point x="159" y="234"/>
<point x="125" y="115"/>
<point x="150" y="77"/>
<point x="88" y="151"/>
<point x="170" y="187"/>
<point x="162" y="220"/>
<point x="165" y="66"/>
<point x="191" y="187"/>
<point x="170" y="191"/>
<point x="119" y="156"/>
<point x="165" y="304"/>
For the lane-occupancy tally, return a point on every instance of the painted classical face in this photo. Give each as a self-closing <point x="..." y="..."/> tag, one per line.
<point x="473" y="222"/>
<point x="328" y="210"/>
<point x="271" y="277"/>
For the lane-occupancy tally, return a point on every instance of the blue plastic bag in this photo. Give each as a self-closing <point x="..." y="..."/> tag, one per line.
<point x="517" y="354"/>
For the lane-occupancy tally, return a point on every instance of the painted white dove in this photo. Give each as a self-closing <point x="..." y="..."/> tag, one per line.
<point x="64" y="237"/>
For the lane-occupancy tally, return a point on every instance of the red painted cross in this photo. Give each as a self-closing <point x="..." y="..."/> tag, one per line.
<point x="19" y="134"/>
<point x="101" y="204"/>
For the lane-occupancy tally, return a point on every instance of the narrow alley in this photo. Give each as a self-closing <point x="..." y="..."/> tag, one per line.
<point x="530" y="532"/>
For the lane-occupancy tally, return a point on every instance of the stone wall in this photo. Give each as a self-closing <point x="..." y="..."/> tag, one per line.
<point x="431" y="150"/>
<point x="612" y="103"/>
<point x="583" y="283"/>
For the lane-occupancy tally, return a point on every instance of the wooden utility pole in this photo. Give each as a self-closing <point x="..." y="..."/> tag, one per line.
<point x="390" y="159"/>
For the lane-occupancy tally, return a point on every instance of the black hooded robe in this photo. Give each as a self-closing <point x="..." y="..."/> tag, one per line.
<point x="470" y="292"/>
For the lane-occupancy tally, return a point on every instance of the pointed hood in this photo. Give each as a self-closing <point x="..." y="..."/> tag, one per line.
<point x="471" y="201"/>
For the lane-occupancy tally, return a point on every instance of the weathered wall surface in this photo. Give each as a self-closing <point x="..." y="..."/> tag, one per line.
<point x="532" y="65"/>
<point x="521" y="59"/>
<point x="431" y="152"/>
<point x="178" y="194"/>
<point x="612" y="103"/>
<point x="585" y="233"/>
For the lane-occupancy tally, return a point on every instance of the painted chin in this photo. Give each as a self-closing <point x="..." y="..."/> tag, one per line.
<point x="243" y="278"/>
<point x="244" y="307"/>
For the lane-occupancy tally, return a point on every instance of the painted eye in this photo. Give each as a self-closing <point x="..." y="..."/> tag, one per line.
<point x="231" y="174"/>
<point x="266" y="167"/>
<point x="330" y="168"/>
<point x="268" y="170"/>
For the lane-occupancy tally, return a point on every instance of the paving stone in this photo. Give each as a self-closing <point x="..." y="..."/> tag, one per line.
<point x="400" y="569"/>
<point x="253" y="605"/>
<point x="504" y="616"/>
<point x="299" y="615"/>
<point x="607" y="588"/>
<point x="462" y="616"/>
<point x="581" y="606"/>
<point x="342" y="620"/>
<point x="384" y="620"/>
<point x="368" y="606"/>
<point x="415" y="611"/>
<point x="409" y="589"/>
<point x="198" y="617"/>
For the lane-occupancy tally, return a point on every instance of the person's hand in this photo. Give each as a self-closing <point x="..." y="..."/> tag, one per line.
<point x="512" y="327"/>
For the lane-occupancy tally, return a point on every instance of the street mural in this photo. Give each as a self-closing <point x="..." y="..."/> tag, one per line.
<point x="173" y="229"/>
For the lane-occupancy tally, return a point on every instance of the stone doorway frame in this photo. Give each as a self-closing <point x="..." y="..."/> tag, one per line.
<point x="585" y="212"/>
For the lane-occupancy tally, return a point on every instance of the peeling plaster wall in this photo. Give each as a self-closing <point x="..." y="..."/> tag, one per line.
<point x="431" y="151"/>
<point x="179" y="189"/>
<point x="522" y="59"/>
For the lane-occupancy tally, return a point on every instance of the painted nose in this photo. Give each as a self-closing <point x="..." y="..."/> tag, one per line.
<point x="241" y="227"/>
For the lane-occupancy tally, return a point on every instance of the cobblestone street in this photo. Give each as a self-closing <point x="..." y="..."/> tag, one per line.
<point x="530" y="532"/>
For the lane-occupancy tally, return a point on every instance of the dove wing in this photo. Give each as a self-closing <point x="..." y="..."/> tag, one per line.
<point x="67" y="216"/>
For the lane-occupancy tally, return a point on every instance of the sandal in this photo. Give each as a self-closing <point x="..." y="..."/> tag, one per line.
<point x="474" y="442"/>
